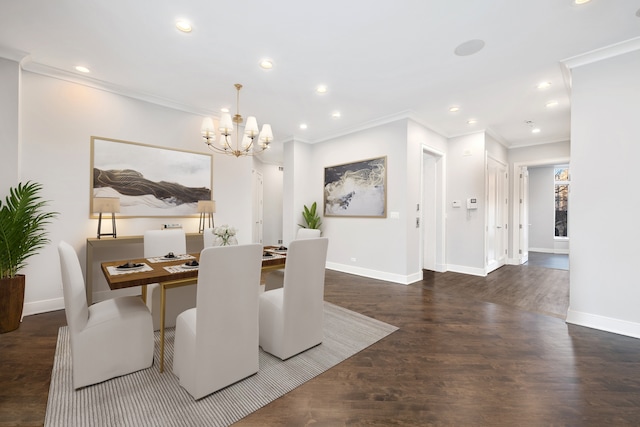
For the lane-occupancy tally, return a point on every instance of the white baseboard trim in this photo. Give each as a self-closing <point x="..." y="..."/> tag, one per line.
<point x="550" y="251"/>
<point x="441" y="268"/>
<point x="603" y="323"/>
<point x="514" y="261"/>
<point x="542" y="250"/>
<point x="44" y="306"/>
<point x="467" y="270"/>
<point x="375" y="274"/>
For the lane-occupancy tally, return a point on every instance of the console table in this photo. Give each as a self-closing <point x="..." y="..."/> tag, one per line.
<point x="195" y="243"/>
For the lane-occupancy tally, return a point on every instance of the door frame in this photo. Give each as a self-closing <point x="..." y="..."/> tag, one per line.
<point x="502" y="191"/>
<point x="516" y="259"/>
<point x="439" y="204"/>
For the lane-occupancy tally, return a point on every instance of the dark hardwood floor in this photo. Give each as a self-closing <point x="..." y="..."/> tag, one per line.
<point x="470" y="351"/>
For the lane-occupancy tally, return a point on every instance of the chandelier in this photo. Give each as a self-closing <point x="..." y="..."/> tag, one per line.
<point x="245" y="144"/>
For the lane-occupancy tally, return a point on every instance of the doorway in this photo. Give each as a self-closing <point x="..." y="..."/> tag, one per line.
<point x="522" y="204"/>
<point x="258" y="211"/>
<point x="432" y="205"/>
<point x="497" y="206"/>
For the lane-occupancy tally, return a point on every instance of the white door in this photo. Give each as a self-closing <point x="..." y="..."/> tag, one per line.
<point x="431" y="212"/>
<point x="523" y="250"/>
<point x="258" y="210"/>
<point x="497" y="204"/>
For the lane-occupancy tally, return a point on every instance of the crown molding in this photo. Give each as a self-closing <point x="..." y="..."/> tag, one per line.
<point x="602" y="53"/>
<point x="364" y="126"/>
<point x="68" y="76"/>
<point x="539" y="142"/>
<point x="13" y="54"/>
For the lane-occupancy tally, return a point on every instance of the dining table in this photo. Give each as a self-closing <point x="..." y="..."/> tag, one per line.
<point x="169" y="271"/>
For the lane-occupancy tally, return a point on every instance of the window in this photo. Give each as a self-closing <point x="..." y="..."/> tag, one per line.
<point x="561" y="182"/>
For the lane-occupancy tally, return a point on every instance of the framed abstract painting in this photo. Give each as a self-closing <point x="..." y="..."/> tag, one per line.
<point x="357" y="189"/>
<point x="149" y="181"/>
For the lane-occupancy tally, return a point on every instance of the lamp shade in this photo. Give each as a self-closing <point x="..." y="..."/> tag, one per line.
<point x="226" y="125"/>
<point x="251" y="128"/>
<point x="266" y="135"/>
<point x="106" y="204"/>
<point x="206" y="206"/>
<point x="207" y="126"/>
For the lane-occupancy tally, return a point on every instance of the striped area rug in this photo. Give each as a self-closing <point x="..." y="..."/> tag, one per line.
<point x="149" y="398"/>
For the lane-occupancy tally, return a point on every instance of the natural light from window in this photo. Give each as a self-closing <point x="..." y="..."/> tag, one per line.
<point x="562" y="181"/>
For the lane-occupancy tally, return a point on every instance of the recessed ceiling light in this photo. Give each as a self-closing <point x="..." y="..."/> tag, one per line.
<point x="224" y="110"/>
<point x="267" y="64"/>
<point x="321" y="89"/>
<point x="551" y="104"/>
<point x="454" y="109"/>
<point x="82" y="69"/>
<point x="183" y="26"/>
<point x="472" y="121"/>
<point x="544" y="85"/>
<point x="581" y="1"/>
<point x="469" y="47"/>
<point x="303" y="126"/>
<point x="336" y="114"/>
<point x="535" y="130"/>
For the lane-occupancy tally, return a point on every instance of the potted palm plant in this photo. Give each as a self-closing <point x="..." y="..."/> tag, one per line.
<point x="23" y="233"/>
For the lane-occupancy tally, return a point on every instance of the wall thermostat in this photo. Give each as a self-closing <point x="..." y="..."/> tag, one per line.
<point x="472" y="203"/>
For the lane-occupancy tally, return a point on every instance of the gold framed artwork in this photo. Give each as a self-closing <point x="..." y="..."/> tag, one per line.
<point x="149" y="181"/>
<point x="357" y="189"/>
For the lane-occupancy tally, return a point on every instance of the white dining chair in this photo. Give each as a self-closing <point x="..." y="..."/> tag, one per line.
<point x="274" y="279"/>
<point x="216" y="343"/>
<point x="108" y="339"/>
<point x="158" y="243"/>
<point x="291" y="317"/>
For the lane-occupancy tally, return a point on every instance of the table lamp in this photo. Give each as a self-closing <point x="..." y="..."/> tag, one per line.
<point x="206" y="207"/>
<point x="106" y="205"/>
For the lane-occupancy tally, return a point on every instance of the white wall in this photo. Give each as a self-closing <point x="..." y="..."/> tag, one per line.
<point x="541" y="209"/>
<point x="604" y="291"/>
<point x="378" y="245"/>
<point x="9" y="124"/>
<point x="58" y="119"/>
<point x="466" y="179"/>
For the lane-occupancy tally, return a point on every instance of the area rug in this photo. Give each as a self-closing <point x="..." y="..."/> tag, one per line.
<point x="151" y="398"/>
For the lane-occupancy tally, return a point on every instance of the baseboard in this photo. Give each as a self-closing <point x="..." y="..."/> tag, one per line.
<point x="37" y="307"/>
<point x="550" y="251"/>
<point x="541" y="250"/>
<point x="375" y="274"/>
<point x="603" y="323"/>
<point x="467" y="270"/>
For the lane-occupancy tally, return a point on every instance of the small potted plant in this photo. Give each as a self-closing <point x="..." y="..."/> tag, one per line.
<point x="23" y="222"/>
<point x="311" y="218"/>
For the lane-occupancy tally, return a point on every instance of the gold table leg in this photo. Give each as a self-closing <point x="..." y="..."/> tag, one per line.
<point x="143" y="294"/>
<point x="163" y="296"/>
<point x="163" y="303"/>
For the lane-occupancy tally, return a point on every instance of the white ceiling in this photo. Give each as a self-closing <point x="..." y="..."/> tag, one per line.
<point x="379" y="59"/>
